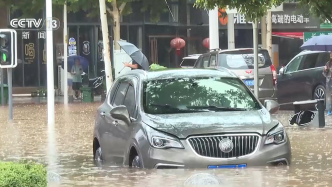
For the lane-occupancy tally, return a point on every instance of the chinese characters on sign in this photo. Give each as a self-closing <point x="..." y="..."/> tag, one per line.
<point x="41" y="35"/>
<point x="44" y="54"/>
<point x="276" y="19"/>
<point x="29" y="53"/>
<point x="26" y="35"/>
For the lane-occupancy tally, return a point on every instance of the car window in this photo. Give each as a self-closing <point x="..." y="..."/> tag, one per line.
<point x="294" y="64"/>
<point x="309" y="61"/>
<point x="199" y="63"/>
<point x="322" y="59"/>
<point x="206" y="61"/>
<point x="188" y="62"/>
<point x="176" y="95"/>
<point x="120" y="94"/>
<point x="213" y="62"/>
<point x="243" y="59"/>
<point x="130" y="101"/>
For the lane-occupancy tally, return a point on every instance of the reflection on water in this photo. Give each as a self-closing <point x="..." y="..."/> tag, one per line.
<point x="69" y="147"/>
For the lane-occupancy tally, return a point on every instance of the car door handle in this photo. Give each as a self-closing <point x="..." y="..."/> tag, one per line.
<point x="102" y="114"/>
<point x="116" y="123"/>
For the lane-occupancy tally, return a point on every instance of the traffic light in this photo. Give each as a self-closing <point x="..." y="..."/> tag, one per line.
<point x="5" y="55"/>
<point x="8" y="48"/>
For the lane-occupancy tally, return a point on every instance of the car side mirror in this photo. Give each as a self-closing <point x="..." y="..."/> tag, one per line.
<point x="282" y="71"/>
<point x="121" y="113"/>
<point x="271" y="106"/>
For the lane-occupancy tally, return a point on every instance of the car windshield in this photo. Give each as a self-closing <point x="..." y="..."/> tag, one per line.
<point x="244" y="59"/>
<point x="188" y="62"/>
<point x="198" y="94"/>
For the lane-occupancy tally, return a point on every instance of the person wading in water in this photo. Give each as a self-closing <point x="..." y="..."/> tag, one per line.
<point x="328" y="74"/>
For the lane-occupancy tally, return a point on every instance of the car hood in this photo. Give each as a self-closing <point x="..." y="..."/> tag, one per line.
<point x="184" y="125"/>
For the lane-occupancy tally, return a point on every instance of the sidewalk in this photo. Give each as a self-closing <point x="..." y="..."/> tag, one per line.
<point x="41" y="100"/>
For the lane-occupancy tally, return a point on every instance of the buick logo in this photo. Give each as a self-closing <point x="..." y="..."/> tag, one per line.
<point x="226" y="145"/>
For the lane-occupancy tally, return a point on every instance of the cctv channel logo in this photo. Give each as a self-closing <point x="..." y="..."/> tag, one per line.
<point x="35" y="24"/>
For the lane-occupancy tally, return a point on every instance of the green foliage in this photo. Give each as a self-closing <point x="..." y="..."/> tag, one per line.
<point x="23" y="174"/>
<point x="29" y="8"/>
<point x="156" y="67"/>
<point x="252" y="9"/>
<point x="320" y="8"/>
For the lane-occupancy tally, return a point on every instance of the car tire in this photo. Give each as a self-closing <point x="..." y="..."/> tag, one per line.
<point x="98" y="157"/>
<point x="319" y="93"/>
<point x="136" y="162"/>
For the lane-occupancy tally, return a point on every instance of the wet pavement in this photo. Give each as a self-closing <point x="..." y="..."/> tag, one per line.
<point x="67" y="150"/>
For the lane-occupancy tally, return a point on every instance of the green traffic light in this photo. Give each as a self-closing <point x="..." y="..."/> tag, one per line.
<point x="4" y="57"/>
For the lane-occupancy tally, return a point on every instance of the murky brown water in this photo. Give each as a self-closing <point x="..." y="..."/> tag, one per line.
<point x="68" y="150"/>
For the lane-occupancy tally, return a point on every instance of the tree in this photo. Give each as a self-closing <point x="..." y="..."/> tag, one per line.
<point x="115" y="9"/>
<point x="255" y="9"/>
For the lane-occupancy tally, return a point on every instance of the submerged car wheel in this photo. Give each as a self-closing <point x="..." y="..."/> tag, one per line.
<point x="98" y="157"/>
<point x="319" y="93"/>
<point x="136" y="162"/>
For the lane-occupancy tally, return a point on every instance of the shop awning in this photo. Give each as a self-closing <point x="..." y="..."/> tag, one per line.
<point x="291" y="35"/>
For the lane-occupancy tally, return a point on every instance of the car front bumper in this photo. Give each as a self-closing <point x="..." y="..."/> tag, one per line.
<point x="188" y="158"/>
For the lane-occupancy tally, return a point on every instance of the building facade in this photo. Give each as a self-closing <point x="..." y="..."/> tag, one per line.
<point x="183" y="20"/>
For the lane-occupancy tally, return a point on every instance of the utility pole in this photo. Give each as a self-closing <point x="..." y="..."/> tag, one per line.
<point x="106" y="44"/>
<point x="263" y="32"/>
<point x="214" y="28"/>
<point x="65" y="50"/>
<point x="269" y="33"/>
<point x="255" y="37"/>
<point x="50" y="68"/>
<point x="230" y="31"/>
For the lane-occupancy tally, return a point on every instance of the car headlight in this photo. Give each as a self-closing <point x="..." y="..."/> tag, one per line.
<point x="276" y="135"/>
<point x="162" y="141"/>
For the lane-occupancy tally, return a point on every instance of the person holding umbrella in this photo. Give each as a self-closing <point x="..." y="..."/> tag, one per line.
<point x="133" y="66"/>
<point x="328" y="74"/>
<point x="77" y="71"/>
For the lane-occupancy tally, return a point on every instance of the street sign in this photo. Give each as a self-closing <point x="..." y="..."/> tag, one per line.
<point x="308" y="35"/>
<point x="326" y="25"/>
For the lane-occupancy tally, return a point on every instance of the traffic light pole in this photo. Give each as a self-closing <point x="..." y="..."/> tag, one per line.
<point x="10" y="92"/>
<point x="2" y="96"/>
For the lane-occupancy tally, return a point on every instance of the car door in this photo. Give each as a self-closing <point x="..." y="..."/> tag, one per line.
<point x="287" y="87"/>
<point x="304" y="77"/>
<point x="108" y="140"/>
<point x="122" y="130"/>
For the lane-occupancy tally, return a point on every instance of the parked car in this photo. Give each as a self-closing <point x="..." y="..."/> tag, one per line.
<point x="241" y="62"/>
<point x="302" y="78"/>
<point x="189" y="61"/>
<point x="187" y="118"/>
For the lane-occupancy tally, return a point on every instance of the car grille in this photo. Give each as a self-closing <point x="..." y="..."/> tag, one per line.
<point x="208" y="146"/>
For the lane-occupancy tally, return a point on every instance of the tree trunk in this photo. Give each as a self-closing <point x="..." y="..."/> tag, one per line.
<point x="106" y="42"/>
<point x="116" y="25"/>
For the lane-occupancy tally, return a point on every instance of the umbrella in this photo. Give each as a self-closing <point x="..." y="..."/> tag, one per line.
<point x="318" y="43"/>
<point x="71" y="62"/>
<point x="135" y="54"/>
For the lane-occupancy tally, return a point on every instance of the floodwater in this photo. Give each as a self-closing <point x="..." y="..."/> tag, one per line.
<point x="67" y="150"/>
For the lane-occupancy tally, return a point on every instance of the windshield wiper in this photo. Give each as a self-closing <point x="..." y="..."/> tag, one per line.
<point x="215" y="108"/>
<point x="167" y="106"/>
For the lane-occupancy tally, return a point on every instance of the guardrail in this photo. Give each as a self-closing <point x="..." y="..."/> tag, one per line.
<point x="320" y="106"/>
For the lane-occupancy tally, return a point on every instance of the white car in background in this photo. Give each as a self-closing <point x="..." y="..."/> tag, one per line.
<point x="189" y="61"/>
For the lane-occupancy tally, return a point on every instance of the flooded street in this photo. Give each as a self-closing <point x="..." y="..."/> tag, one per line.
<point x="67" y="150"/>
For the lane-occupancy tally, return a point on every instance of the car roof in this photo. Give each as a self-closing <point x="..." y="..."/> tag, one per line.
<point x="305" y="52"/>
<point x="194" y="56"/>
<point x="180" y="73"/>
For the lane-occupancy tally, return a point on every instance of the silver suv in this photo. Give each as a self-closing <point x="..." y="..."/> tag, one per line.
<point x="241" y="62"/>
<point x="187" y="118"/>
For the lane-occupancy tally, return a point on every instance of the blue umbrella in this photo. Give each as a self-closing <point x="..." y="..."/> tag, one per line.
<point x="318" y="43"/>
<point x="71" y="62"/>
